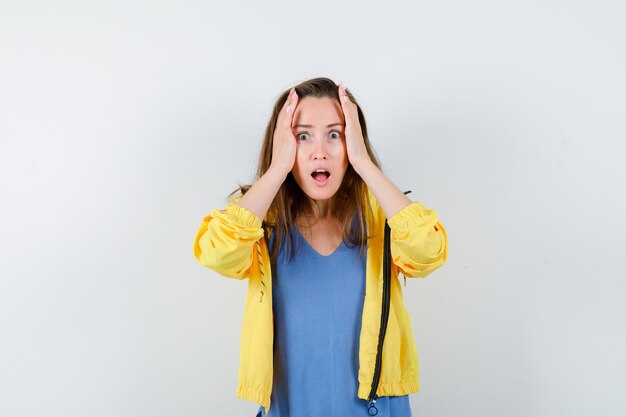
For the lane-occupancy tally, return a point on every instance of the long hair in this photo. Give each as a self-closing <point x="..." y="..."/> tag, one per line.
<point x="290" y="201"/>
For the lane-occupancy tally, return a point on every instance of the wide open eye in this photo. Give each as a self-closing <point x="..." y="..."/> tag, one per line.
<point x="336" y="134"/>
<point x="306" y="136"/>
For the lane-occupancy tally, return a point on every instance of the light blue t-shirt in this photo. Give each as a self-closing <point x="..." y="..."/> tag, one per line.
<point x="318" y="302"/>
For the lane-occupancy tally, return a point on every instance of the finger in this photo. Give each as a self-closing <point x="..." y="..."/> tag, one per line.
<point x="283" y="109"/>
<point x="286" y="107"/>
<point x="346" y="104"/>
<point x="288" y="101"/>
<point x="292" y="101"/>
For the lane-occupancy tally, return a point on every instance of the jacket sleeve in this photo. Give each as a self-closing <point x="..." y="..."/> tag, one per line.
<point x="225" y="240"/>
<point x="419" y="243"/>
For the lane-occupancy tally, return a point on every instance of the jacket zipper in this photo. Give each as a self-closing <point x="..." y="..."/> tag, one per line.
<point x="371" y="409"/>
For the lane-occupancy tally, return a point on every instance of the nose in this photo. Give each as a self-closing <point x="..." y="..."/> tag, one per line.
<point x="319" y="151"/>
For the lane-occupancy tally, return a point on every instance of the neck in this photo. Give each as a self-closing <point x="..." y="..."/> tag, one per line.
<point x="320" y="210"/>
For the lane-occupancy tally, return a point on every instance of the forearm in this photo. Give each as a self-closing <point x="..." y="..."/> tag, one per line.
<point x="390" y="198"/>
<point x="260" y="196"/>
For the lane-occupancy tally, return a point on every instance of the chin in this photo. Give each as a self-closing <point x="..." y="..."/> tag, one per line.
<point x="319" y="193"/>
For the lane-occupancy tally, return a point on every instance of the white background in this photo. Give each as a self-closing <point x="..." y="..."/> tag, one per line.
<point x="123" y="123"/>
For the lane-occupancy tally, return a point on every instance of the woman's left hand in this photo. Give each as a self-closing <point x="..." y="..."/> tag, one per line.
<point x="355" y="144"/>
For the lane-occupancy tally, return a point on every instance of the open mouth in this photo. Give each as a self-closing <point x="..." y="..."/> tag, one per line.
<point x="320" y="175"/>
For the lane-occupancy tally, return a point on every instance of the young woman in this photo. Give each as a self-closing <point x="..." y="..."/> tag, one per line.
<point x="308" y="235"/>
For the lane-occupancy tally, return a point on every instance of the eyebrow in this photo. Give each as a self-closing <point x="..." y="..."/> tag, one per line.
<point x="330" y="125"/>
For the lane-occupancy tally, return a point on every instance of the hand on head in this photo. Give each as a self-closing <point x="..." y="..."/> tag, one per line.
<point x="355" y="144"/>
<point x="284" y="142"/>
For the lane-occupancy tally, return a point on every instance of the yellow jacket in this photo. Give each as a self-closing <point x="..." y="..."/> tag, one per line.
<point x="230" y="241"/>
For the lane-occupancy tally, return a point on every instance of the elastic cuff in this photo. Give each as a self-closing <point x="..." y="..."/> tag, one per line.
<point x="415" y="210"/>
<point x="245" y="216"/>
<point x="254" y="394"/>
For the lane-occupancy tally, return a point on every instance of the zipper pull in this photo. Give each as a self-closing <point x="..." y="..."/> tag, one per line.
<point x="404" y="280"/>
<point x="372" y="410"/>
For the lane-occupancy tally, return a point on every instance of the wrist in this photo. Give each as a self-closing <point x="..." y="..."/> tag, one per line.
<point x="361" y="164"/>
<point x="277" y="172"/>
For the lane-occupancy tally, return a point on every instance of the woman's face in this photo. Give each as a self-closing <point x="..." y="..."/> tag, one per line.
<point x="318" y="125"/>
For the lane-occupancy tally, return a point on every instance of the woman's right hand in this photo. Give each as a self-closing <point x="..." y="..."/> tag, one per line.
<point x="284" y="144"/>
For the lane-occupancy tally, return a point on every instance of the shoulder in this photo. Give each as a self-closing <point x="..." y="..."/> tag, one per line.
<point x="375" y="217"/>
<point x="376" y="209"/>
